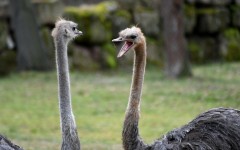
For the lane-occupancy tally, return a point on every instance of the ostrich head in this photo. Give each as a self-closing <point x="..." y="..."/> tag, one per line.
<point x="132" y="38"/>
<point x="65" y="29"/>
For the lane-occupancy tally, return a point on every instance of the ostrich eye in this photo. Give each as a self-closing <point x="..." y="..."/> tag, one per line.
<point x="73" y="28"/>
<point x="133" y="36"/>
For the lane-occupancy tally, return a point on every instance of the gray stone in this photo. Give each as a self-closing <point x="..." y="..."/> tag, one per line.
<point x="148" y="21"/>
<point x="150" y="3"/>
<point x="204" y="1"/>
<point x="4" y="8"/>
<point x="237" y="1"/>
<point x="82" y="59"/>
<point x="48" y="12"/>
<point x="190" y="1"/>
<point x="92" y="58"/>
<point x="155" y="52"/>
<point x="3" y="35"/>
<point x="99" y="33"/>
<point x="94" y="21"/>
<point x="7" y="62"/>
<point x="210" y="2"/>
<point x="189" y="18"/>
<point x="202" y="49"/>
<point x="45" y="34"/>
<point x="212" y="20"/>
<point x="229" y="45"/>
<point x="128" y="4"/>
<point x="120" y="20"/>
<point x="236" y="16"/>
<point x="221" y="2"/>
<point x="108" y="59"/>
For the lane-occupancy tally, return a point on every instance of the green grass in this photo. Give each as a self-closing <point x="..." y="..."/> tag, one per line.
<point x="30" y="115"/>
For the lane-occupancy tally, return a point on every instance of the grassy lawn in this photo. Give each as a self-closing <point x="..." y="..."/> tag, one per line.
<point x="30" y="115"/>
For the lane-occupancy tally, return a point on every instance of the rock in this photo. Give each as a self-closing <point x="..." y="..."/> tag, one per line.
<point x="190" y="1"/>
<point x="150" y="3"/>
<point x="229" y="45"/>
<point x="94" y="21"/>
<point x="237" y="1"/>
<point x="155" y="52"/>
<point x="236" y="16"/>
<point x="221" y="2"/>
<point x="71" y="2"/>
<point x="210" y="2"/>
<point x="4" y="9"/>
<point x="80" y="58"/>
<point x="3" y="35"/>
<point x="212" y="20"/>
<point x="128" y="4"/>
<point x="45" y="34"/>
<point x="92" y="57"/>
<point x="203" y="1"/>
<point x="47" y="12"/>
<point x="120" y="20"/>
<point x="202" y="50"/>
<point x="7" y="62"/>
<point x="148" y="21"/>
<point x="109" y="56"/>
<point x="189" y="18"/>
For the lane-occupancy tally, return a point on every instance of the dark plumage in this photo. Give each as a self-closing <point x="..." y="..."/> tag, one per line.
<point x="6" y="144"/>
<point x="216" y="129"/>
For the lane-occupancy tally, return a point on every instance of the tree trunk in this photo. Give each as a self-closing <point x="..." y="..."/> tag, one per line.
<point x="31" y="52"/>
<point x="176" y="57"/>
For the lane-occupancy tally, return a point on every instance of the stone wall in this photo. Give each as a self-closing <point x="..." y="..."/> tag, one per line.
<point x="211" y="28"/>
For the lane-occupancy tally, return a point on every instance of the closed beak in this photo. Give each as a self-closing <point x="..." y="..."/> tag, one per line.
<point x="80" y="32"/>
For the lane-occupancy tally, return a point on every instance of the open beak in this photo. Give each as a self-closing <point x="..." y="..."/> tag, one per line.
<point x="126" y="46"/>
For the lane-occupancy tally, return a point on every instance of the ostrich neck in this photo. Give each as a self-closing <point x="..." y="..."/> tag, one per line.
<point x="63" y="81"/>
<point x="68" y="125"/>
<point x="131" y="138"/>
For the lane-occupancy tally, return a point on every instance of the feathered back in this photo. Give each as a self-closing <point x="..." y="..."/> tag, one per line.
<point x="6" y="144"/>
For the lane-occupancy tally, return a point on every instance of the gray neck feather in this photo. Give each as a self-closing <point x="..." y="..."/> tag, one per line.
<point x="68" y="125"/>
<point x="130" y="134"/>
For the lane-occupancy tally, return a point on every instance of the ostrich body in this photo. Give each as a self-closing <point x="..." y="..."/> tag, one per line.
<point x="6" y="144"/>
<point x="216" y="129"/>
<point x="63" y="33"/>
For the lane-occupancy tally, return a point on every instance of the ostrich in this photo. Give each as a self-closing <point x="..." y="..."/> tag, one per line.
<point x="6" y="144"/>
<point x="63" y="33"/>
<point x="216" y="129"/>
